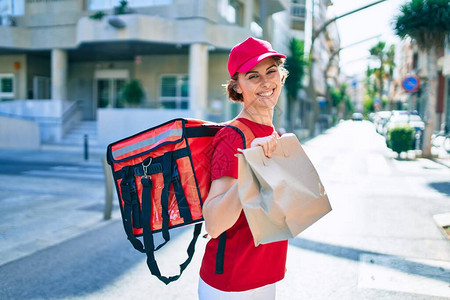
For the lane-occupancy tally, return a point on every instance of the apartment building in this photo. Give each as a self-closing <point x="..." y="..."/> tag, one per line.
<point x="307" y="17"/>
<point x="81" y="53"/>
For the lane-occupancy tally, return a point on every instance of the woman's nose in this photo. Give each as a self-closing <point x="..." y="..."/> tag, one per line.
<point x="264" y="80"/>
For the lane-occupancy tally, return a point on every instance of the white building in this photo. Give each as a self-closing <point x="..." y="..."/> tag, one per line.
<point x="177" y="49"/>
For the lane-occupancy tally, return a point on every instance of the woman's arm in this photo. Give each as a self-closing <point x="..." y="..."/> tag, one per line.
<point x="222" y="206"/>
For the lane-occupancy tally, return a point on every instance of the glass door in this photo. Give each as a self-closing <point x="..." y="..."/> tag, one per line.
<point x="103" y="93"/>
<point x="109" y="92"/>
<point x="108" y="88"/>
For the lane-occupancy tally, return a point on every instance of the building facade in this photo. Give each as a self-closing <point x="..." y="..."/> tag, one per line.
<point x="85" y="52"/>
<point x="307" y="17"/>
<point x="412" y="62"/>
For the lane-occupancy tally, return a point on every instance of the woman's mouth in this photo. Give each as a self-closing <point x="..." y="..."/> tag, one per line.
<point x="266" y="94"/>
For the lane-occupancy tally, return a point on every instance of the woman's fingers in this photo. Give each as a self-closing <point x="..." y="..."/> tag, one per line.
<point x="268" y="144"/>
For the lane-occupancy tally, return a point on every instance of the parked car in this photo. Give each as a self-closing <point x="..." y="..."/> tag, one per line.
<point x="357" y="116"/>
<point x="380" y="119"/>
<point x="403" y="118"/>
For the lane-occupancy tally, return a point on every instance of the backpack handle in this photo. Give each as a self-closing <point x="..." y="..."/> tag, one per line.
<point x="148" y="236"/>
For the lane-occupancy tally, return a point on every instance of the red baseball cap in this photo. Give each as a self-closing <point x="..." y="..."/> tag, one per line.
<point x="244" y="56"/>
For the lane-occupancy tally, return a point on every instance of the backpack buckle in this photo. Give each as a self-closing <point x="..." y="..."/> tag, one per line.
<point x="145" y="167"/>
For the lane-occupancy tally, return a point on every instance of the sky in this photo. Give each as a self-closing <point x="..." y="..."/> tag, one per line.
<point x="374" y="21"/>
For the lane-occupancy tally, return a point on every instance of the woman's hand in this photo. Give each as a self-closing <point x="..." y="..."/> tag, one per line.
<point x="268" y="143"/>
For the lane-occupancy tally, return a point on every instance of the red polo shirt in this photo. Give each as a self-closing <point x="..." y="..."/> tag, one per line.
<point x="245" y="266"/>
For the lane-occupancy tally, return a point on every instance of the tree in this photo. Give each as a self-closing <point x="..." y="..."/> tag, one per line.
<point x="378" y="52"/>
<point x="390" y="65"/>
<point x="371" y="86"/>
<point x="341" y="100"/>
<point x="295" y="64"/>
<point x="386" y="58"/>
<point x="428" y="23"/>
<point x="311" y="91"/>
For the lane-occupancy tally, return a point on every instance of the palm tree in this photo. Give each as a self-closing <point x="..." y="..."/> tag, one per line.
<point x="385" y="72"/>
<point x="427" y="22"/>
<point x="390" y="64"/>
<point x="378" y="52"/>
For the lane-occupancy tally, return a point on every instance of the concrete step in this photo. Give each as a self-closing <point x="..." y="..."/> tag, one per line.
<point x="76" y="135"/>
<point x="79" y="140"/>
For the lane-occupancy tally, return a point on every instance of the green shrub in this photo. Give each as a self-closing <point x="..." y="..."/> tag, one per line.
<point x="133" y="93"/>
<point x="400" y="139"/>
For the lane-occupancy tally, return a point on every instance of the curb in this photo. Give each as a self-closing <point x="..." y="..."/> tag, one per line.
<point x="443" y="220"/>
<point x="438" y="161"/>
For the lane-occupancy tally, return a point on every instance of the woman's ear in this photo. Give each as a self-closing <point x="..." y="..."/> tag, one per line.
<point x="237" y="89"/>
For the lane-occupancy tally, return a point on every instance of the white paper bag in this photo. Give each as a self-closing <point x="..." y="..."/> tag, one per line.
<point x="281" y="196"/>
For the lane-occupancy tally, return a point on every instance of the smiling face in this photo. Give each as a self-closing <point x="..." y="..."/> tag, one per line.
<point x="261" y="86"/>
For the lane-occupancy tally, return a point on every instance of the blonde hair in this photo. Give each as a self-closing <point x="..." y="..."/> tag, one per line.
<point x="232" y="83"/>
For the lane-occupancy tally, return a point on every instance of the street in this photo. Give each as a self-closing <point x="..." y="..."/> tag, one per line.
<point x="379" y="242"/>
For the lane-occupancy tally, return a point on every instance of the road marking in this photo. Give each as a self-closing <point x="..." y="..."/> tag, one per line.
<point x="76" y="169"/>
<point x="64" y="174"/>
<point x="409" y="275"/>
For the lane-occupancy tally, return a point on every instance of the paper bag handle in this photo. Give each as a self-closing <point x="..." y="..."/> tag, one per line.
<point x="283" y="139"/>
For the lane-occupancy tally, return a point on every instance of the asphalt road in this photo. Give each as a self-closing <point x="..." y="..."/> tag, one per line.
<point x="379" y="242"/>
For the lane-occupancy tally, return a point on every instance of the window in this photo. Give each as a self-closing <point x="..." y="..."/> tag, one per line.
<point x="109" y="4"/>
<point x="142" y="3"/>
<point x="230" y="10"/>
<point x="175" y="91"/>
<point x="12" y="7"/>
<point x="256" y="29"/>
<point x="298" y="10"/>
<point x="6" y="87"/>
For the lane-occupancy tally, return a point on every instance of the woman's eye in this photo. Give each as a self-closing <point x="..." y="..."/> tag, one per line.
<point x="252" y="76"/>
<point x="271" y="71"/>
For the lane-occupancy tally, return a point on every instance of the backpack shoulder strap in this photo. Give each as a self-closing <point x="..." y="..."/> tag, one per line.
<point x="248" y="133"/>
<point x="248" y="137"/>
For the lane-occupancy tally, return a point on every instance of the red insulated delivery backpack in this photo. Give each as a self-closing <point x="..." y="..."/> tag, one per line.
<point x="162" y="176"/>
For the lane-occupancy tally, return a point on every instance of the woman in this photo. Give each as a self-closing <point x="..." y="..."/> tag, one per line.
<point x="249" y="272"/>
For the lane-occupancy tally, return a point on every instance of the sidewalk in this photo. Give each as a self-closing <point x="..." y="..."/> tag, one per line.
<point x="441" y="156"/>
<point x="48" y="205"/>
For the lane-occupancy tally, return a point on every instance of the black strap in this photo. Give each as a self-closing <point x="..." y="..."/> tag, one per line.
<point x="167" y="175"/>
<point x="135" y="206"/>
<point x="220" y="255"/>
<point x="127" y="186"/>
<point x="148" y="236"/>
<point x="201" y="131"/>
<point x="183" y="206"/>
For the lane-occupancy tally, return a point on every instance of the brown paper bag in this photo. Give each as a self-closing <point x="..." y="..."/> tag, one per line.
<point x="282" y="195"/>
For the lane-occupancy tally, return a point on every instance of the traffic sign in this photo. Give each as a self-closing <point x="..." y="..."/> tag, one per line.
<point x="411" y="83"/>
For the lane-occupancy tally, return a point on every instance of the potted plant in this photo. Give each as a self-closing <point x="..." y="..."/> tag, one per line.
<point x="122" y="8"/>
<point x="133" y="93"/>
<point x="400" y="139"/>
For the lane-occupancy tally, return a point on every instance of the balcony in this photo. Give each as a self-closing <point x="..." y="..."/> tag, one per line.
<point x="276" y="5"/>
<point x="298" y="11"/>
<point x="157" y="30"/>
